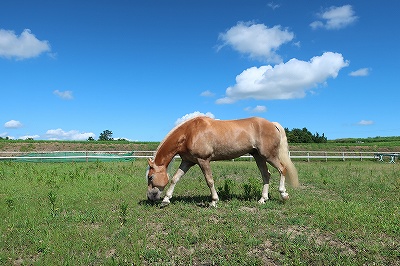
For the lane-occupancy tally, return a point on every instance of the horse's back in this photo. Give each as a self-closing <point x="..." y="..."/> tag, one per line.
<point x="227" y="139"/>
<point x="251" y="127"/>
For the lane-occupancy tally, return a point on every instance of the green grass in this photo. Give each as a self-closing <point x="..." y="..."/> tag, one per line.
<point x="96" y="214"/>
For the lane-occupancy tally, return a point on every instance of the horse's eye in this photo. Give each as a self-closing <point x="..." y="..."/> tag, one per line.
<point x="151" y="178"/>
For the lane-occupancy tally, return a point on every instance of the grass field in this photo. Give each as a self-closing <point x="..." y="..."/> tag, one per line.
<point x="344" y="213"/>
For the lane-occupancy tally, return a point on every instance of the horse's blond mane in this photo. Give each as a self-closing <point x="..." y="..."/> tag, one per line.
<point x="174" y="129"/>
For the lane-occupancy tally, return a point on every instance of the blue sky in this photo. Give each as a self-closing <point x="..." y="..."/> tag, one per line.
<point x="72" y="69"/>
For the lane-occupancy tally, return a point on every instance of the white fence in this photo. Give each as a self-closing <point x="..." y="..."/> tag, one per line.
<point x="324" y="155"/>
<point x="295" y="155"/>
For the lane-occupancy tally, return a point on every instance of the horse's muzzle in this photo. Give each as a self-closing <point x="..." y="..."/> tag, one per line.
<point x="154" y="194"/>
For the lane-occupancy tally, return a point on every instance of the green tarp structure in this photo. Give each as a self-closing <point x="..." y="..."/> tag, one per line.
<point x="73" y="157"/>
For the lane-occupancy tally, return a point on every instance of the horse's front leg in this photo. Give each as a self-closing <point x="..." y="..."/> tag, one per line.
<point x="183" y="168"/>
<point x="206" y="169"/>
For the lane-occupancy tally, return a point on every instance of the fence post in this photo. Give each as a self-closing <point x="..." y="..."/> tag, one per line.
<point x="308" y="157"/>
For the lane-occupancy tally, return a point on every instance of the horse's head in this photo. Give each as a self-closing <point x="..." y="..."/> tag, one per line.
<point x="157" y="179"/>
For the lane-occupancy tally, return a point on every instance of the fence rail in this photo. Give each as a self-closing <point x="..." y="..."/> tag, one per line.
<point x="110" y="155"/>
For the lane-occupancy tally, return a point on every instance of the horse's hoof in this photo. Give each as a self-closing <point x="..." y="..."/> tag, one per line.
<point x="202" y="205"/>
<point x="284" y="196"/>
<point x="164" y="204"/>
<point x="213" y="204"/>
<point x="261" y="201"/>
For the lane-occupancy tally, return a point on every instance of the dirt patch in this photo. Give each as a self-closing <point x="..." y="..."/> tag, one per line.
<point x="248" y="209"/>
<point x="266" y="253"/>
<point x="269" y="252"/>
<point x="320" y="238"/>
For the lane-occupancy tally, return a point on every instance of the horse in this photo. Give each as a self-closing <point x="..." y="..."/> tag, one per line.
<point x="202" y="139"/>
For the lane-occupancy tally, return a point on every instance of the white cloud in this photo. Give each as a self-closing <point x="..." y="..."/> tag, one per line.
<point x="256" y="40"/>
<point x="207" y="93"/>
<point x="21" y="47"/>
<point x="29" y="137"/>
<point x="59" y="134"/>
<point x="362" y="72"/>
<point x="273" y="5"/>
<point x="13" y="124"/>
<point x="335" y="18"/>
<point x="297" y="44"/>
<point x="191" y="115"/>
<point x="3" y="135"/>
<point x="225" y="100"/>
<point x="286" y="80"/>
<point x="66" y="95"/>
<point x="257" y="109"/>
<point x="365" y="122"/>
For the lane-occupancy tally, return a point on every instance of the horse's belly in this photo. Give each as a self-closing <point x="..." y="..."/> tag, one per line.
<point x="215" y="150"/>
<point x="230" y="151"/>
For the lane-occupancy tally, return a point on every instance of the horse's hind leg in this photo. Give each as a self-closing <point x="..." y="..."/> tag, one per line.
<point x="282" y="189"/>
<point x="282" y="171"/>
<point x="262" y="166"/>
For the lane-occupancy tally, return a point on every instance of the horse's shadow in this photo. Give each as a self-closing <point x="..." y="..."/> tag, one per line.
<point x="201" y="200"/>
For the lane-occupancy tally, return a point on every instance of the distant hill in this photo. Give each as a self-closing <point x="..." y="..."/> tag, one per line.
<point x="367" y="140"/>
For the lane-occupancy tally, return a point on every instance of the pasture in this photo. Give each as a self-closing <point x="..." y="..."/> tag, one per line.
<point x="97" y="214"/>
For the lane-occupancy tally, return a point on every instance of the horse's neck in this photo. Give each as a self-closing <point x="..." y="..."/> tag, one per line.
<point x="166" y="152"/>
<point x="162" y="159"/>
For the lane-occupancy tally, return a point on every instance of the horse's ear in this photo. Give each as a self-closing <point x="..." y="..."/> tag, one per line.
<point x="151" y="162"/>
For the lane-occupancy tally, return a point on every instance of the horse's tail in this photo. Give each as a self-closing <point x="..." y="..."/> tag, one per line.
<point x="285" y="158"/>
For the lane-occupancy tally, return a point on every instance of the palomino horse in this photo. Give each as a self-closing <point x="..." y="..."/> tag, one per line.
<point x="201" y="140"/>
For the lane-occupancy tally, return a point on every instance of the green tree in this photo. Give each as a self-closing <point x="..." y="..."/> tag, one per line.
<point x="106" y="135"/>
<point x="319" y="139"/>
<point x="297" y="135"/>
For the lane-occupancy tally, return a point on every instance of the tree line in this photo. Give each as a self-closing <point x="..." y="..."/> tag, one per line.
<point x="106" y="135"/>
<point x="297" y="135"/>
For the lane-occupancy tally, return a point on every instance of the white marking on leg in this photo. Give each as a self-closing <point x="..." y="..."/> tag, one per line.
<point x="282" y="189"/>
<point x="170" y="190"/>
<point x="266" y="175"/>
<point x="214" y="196"/>
<point x="166" y="200"/>
<point x="282" y="184"/>
<point x="264" y="195"/>
<point x="168" y="195"/>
